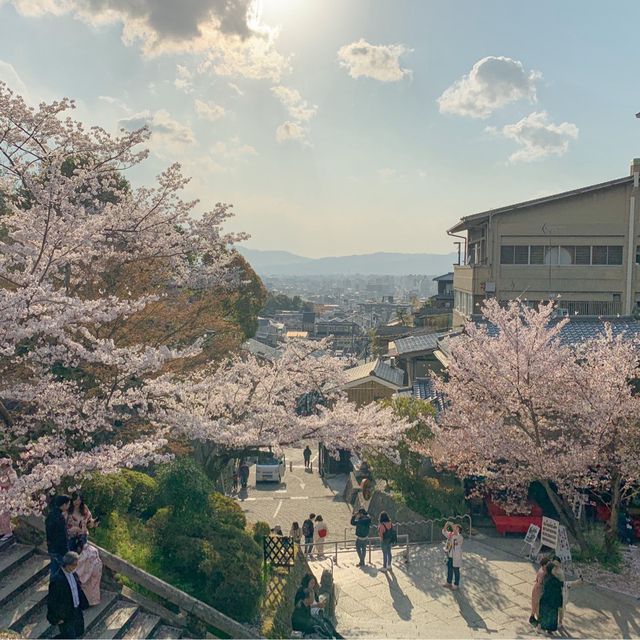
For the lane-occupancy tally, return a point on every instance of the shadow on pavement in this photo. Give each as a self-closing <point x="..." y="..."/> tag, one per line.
<point x="401" y="602"/>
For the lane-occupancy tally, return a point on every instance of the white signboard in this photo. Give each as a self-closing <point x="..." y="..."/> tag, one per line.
<point x="549" y="535"/>
<point x="563" y="550"/>
<point x="579" y="500"/>
<point x="532" y="534"/>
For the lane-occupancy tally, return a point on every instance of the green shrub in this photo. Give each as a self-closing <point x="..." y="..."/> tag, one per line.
<point x="127" y="537"/>
<point x="144" y="492"/>
<point x="185" y="488"/>
<point x="222" y="567"/>
<point x="107" y="493"/>
<point x="227" y="511"/>
<point x="260" y="530"/>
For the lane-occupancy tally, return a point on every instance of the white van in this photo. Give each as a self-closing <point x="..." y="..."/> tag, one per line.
<point x="270" y="467"/>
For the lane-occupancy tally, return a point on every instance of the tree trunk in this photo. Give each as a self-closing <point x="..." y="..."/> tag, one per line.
<point x="566" y="515"/>
<point x="611" y="529"/>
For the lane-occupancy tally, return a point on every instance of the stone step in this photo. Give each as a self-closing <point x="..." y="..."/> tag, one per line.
<point x="143" y="626"/>
<point x="23" y="603"/>
<point x="12" y="555"/>
<point x="22" y="575"/>
<point x="115" y="623"/>
<point x="165" y="632"/>
<point x="37" y="625"/>
<point x="6" y="542"/>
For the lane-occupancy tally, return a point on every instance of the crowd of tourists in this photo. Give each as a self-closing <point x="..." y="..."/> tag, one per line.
<point x="76" y="568"/>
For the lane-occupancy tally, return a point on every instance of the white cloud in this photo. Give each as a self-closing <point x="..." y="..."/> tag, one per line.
<point x="225" y="32"/>
<point x="10" y="76"/>
<point x="165" y="131"/>
<point x="116" y="102"/>
<point x="492" y="83"/>
<point x="184" y="79"/>
<point x="234" y="149"/>
<point x="297" y="108"/>
<point x="380" y="62"/>
<point x="538" y="137"/>
<point x="235" y="88"/>
<point x="292" y="131"/>
<point x="209" y="110"/>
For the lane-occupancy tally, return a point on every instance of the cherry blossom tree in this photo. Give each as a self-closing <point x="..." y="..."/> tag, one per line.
<point x="523" y="406"/>
<point x="79" y="394"/>
<point x="247" y="402"/>
<point x="69" y="392"/>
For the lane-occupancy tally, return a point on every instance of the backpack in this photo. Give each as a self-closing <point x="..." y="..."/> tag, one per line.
<point x="307" y="528"/>
<point x="390" y="535"/>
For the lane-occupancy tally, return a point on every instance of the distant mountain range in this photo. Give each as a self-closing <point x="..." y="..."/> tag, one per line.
<point x="283" y="263"/>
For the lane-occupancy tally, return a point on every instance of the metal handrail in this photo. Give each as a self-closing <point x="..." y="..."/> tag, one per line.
<point x="430" y="523"/>
<point x="372" y="541"/>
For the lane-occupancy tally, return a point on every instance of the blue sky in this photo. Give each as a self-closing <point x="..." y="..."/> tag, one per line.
<point x="347" y="126"/>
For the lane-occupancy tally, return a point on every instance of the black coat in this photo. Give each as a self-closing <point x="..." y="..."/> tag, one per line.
<point x="56" y="527"/>
<point x="362" y="525"/>
<point x="60" y="600"/>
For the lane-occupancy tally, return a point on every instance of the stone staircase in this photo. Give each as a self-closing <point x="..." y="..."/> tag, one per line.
<point x="24" y="581"/>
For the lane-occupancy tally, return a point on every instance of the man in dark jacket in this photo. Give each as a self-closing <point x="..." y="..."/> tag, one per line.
<point x="361" y="520"/>
<point x="307" y="531"/>
<point x="56" y="526"/>
<point x="66" y="600"/>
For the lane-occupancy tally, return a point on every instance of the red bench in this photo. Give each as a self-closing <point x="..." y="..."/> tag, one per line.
<point x="516" y="522"/>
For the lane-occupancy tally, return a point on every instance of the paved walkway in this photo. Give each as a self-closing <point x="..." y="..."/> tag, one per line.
<point x="494" y="599"/>
<point x="301" y="492"/>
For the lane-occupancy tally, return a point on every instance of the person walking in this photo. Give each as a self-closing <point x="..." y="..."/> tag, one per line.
<point x="89" y="572"/>
<point x="551" y="599"/>
<point x="307" y="457"/>
<point x="7" y="479"/>
<point x="361" y="520"/>
<point x="79" y="521"/>
<point x="66" y="600"/>
<point x="321" y="531"/>
<point x="453" y="549"/>
<point x="388" y="536"/>
<point x="536" y="593"/>
<point x="243" y="471"/>
<point x="308" y="531"/>
<point x="56" y="528"/>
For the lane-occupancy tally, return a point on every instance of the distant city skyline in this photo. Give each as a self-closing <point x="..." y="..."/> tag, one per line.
<point x="346" y="128"/>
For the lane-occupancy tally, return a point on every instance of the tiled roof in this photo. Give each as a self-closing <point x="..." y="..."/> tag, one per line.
<point x="427" y="342"/>
<point x="579" y="329"/>
<point x="424" y="389"/>
<point x="378" y="369"/>
<point x="257" y="348"/>
<point x="446" y="276"/>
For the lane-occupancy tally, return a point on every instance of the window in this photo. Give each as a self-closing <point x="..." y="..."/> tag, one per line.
<point x="536" y="255"/>
<point x="563" y="255"/>
<point x="616" y="297"/>
<point x="599" y="255"/>
<point x="463" y="302"/>
<point x="507" y="254"/>
<point x="583" y="255"/>
<point x="638" y="254"/>
<point x="614" y="254"/>
<point x="521" y="254"/>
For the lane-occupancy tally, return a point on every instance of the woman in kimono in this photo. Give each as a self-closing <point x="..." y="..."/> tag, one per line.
<point x="551" y="600"/>
<point x="89" y="572"/>
<point x="536" y="593"/>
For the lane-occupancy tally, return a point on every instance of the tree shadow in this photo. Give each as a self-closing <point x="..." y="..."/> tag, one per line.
<point x="470" y="615"/>
<point x="401" y="602"/>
